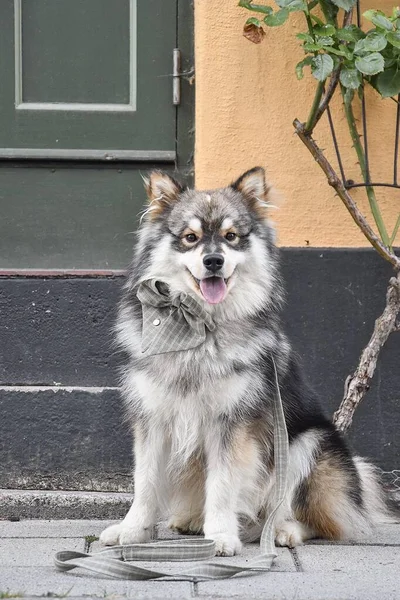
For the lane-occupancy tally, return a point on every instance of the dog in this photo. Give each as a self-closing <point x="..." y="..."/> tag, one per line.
<point x="202" y="417"/>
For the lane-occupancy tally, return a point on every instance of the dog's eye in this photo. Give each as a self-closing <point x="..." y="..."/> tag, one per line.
<point x="230" y="236"/>
<point x="191" y="238"/>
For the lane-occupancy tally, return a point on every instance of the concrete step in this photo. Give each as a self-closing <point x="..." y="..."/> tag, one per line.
<point x="41" y="504"/>
<point x="64" y="438"/>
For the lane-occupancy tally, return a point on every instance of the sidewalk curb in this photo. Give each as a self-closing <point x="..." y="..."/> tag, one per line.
<point x="40" y="504"/>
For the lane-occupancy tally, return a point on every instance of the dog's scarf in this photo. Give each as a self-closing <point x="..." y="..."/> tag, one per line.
<point x="170" y="324"/>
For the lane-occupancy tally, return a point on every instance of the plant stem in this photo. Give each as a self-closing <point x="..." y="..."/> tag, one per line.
<point x="320" y="87"/>
<point x="395" y="230"/>
<point x="355" y="136"/>
<point x="315" y="106"/>
<point x="333" y="82"/>
<point x="337" y="184"/>
<point x="309" y="24"/>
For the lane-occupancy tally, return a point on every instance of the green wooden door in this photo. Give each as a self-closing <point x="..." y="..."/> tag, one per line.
<point x="86" y="107"/>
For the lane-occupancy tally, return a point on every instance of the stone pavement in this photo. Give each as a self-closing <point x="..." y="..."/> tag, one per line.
<point x="367" y="569"/>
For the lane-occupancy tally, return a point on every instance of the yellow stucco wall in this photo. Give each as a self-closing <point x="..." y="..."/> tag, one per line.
<point x="247" y="96"/>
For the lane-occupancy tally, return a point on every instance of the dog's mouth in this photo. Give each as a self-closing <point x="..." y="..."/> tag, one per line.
<point x="213" y="289"/>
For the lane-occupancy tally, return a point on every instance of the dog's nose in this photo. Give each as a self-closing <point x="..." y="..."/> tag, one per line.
<point x="213" y="262"/>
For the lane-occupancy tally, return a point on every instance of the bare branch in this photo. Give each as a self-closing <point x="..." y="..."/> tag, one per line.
<point x="357" y="384"/>
<point x="348" y="17"/>
<point x="344" y="195"/>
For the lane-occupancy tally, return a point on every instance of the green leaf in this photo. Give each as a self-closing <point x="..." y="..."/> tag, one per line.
<point x="388" y="82"/>
<point x="325" y="30"/>
<point x="346" y="50"/>
<point x="303" y="63"/>
<point x="253" y="21"/>
<point x="389" y="62"/>
<point x="350" y="78"/>
<point x="394" y="38"/>
<point x="292" y="5"/>
<point x="317" y="20"/>
<point x="378" y="18"/>
<point x="359" y="47"/>
<point x="374" y="42"/>
<point x="370" y="64"/>
<point x="330" y="10"/>
<point x="322" y="66"/>
<point x="261" y="8"/>
<point x="312" y="47"/>
<point x="325" y="40"/>
<point x="305" y="37"/>
<point x="352" y="33"/>
<point x="277" y="18"/>
<point x="345" y="4"/>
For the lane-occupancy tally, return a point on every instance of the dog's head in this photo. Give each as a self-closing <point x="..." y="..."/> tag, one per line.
<point x="215" y="244"/>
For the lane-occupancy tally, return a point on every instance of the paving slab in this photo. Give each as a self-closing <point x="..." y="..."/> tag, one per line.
<point x="33" y="552"/>
<point x="351" y="559"/>
<point x="368" y="569"/>
<point x="304" y="586"/>
<point x="46" y="581"/>
<point x="385" y="534"/>
<point x="66" y="528"/>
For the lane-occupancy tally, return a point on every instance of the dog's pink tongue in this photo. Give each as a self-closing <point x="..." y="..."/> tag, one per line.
<point x="213" y="289"/>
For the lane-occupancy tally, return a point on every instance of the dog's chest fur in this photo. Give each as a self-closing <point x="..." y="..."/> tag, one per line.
<point x="187" y="394"/>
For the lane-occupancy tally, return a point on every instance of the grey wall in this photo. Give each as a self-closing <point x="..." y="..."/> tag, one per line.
<point x="57" y="332"/>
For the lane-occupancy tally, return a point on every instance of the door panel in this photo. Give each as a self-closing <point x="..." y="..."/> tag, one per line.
<point x="68" y="53"/>
<point x="69" y="218"/>
<point x="87" y="74"/>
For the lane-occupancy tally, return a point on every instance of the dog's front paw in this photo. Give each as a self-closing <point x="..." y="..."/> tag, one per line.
<point x="123" y="533"/>
<point x="226" y="544"/>
<point x="110" y="536"/>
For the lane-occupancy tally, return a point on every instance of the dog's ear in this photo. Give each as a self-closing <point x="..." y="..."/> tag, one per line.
<point x="254" y="188"/>
<point x="252" y="184"/>
<point x="162" y="191"/>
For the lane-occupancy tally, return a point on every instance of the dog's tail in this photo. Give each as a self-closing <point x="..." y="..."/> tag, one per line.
<point x="378" y="506"/>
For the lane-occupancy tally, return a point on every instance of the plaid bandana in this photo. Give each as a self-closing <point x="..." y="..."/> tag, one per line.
<point x="170" y="324"/>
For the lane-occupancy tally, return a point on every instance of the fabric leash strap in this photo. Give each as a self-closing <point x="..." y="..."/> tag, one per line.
<point x="114" y="561"/>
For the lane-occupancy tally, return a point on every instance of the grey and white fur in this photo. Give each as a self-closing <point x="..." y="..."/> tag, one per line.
<point x="202" y="418"/>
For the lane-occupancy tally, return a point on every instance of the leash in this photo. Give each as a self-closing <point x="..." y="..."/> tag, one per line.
<point x="115" y="561"/>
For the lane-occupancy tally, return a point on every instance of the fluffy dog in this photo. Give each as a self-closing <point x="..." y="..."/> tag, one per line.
<point x="202" y="417"/>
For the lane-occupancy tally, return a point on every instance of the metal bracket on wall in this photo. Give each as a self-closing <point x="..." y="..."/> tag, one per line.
<point x="176" y="74"/>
